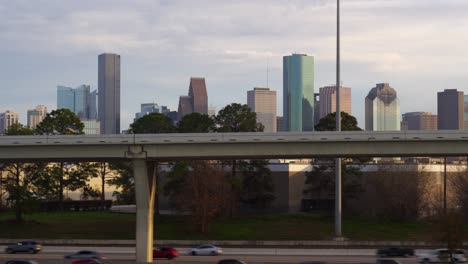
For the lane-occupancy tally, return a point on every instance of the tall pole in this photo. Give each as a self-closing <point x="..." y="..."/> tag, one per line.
<point x="338" y="128"/>
<point x="445" y="186"/>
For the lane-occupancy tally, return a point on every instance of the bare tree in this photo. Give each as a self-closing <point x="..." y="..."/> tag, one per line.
<point x="203" y="193"/>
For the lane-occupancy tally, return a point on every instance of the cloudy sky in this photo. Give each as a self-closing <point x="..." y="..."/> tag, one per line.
<point x="418" y="46"/>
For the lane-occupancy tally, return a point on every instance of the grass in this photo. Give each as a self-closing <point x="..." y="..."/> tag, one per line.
<point x="107" y="225"/>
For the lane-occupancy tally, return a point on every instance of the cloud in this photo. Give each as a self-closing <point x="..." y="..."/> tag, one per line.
<point x="163" y="43"/>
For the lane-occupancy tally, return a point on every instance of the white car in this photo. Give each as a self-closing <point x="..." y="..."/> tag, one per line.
<point x="206" y="250"/>
<point x="441" y="256"/>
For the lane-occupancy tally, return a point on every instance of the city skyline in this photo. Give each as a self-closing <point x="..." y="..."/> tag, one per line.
<point x="378" y="46"/>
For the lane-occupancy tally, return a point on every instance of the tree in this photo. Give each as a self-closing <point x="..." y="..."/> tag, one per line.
<point x="237" y="118"/>
<point x="203" y="193"/>
<point x="257" y="184"/>
<point x="20" y="177"/>
<point x="18" y="129"/>
<point x="61" y="122"/>
<point x="196" y="123"/>
<point x="320" y="182"/>
<point x="328" y="123"/>
<point x="152" y="124"/>
<point x="448" y="229"/>
<point x="125" y="181"/>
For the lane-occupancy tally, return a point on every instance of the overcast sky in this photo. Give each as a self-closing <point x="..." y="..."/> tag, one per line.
<point x="418" y="46"/>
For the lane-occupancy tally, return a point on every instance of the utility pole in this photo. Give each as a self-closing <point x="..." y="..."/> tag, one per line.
<point x="338" y="209"/>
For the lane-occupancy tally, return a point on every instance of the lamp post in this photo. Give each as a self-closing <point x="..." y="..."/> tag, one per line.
<point x="338" y="234"/>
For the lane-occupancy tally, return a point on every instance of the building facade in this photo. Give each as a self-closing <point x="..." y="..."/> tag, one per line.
<point x="149" y="108"/>
<point x="465" y="111"/>
<point x="279" y="124"/>
<point x="298" y="92"/>
<point x="327" y="100"/>
<point x="419" y="121"/>
<point x="7" y="119"/>
<point x="36" y="115"/>
<point x="109" y="93"/>
<point x="382" y="109"/>
<point x="450" y="104"/>
<point x="91" y="126"/>
<point x="262" y="101"/>
<point x="79" y="100"/>
<point x="198" y="95"/>
<point x="197" y="99"/>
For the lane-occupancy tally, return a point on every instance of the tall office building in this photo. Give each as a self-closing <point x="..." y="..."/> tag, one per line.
<point x="382" y="109"/>
<point x="465" y="112"/>
<point x="262" y="101"/>
<point x="327" y="97"/>
<point x="212" y="110"/>
<point x="79" y="100"/>
<point x="419" y="121"/>
<point x="450" y="110"/>
<point x="7" y="119"/>
<point x="197" y="99"/>
<point x="298" y="92"/>
<point x="93" y="113"/>
<point x="198" y="95"/>
<point x="279" y="124"/>
<point x="36" y="115"/>
<point x="109" y="93"/>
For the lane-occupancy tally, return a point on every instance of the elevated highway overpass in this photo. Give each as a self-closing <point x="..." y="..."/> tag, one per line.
<point x="144" y="150"/>
<point x="234" y="145"/>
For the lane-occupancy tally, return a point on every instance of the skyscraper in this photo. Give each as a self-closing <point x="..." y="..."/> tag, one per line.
<point x="109" y="93"/>
<point x="93" y="96"/>
<point x="262" y="101"/>
<point x="382" y="109"/>
<point x="465" y="112"/>
<point x="298" y="92"/>
<point x="79" y="100"/>
<point x="197" y="99"/>
<point x="7" y="119"/>
<point x="450" y="110"/>
<point x="419" y="121"/>
<point x="327" y="97"/>
<point x="36" y="115"/>
<point x="198" y="95"/>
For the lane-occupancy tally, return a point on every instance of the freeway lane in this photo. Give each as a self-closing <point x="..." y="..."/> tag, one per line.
<point x="257" y="259"/>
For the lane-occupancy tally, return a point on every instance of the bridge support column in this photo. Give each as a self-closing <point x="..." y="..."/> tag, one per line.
<point x="145" y="188"/>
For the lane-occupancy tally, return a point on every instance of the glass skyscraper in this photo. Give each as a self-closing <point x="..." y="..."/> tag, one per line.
<point x="79" y="100"/>
<point x="382" y="109"/>
<point x="298" y="92"/>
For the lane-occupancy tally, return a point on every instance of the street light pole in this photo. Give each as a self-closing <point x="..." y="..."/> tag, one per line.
<point x="338" y="233"/>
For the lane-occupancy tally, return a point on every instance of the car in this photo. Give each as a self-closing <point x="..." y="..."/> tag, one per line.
<point x="86" y="261"/>
<point x="206" y="250"/>
<point x="24" y="246"/>
<point x="231" y="261"/>
<point x="441" y="256"/>
<point x="395" y="252"/>
<point x="165" y="252"/>
<point x="387" y="261"/>
<point x="20" y="261"/>
<point x="84" y="254"/>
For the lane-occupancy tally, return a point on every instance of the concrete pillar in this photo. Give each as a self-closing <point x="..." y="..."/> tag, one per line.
<point x="145" y="187"/>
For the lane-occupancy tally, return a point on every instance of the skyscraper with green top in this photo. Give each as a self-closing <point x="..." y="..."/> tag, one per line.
<point x="298" y="92"/>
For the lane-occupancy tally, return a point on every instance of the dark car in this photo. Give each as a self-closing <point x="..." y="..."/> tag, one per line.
<point x="231" y="261"/>
<point x="86" y="261"/>
<point x="165" y="252"/>
<point x="24" y="246"/>
<point x="20" y="261"/>
<point x="84" y="254"/>
<point x="395" y="252"/>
